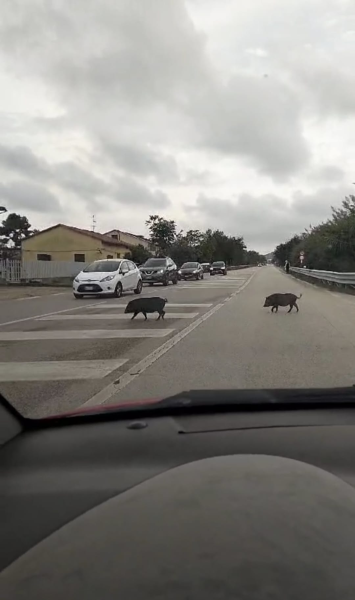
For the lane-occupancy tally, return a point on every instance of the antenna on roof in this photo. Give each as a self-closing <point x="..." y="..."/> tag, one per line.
<point x="93" y="223"/>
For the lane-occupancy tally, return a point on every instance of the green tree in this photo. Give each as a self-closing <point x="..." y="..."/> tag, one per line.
<point x="139" y="254"/>
<point x="162" y="233"/>
<point x="13" y="230"/>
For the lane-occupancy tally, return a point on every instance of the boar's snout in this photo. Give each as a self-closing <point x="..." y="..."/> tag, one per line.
<point x="267" y="302"/>
<point x="128" y="308"/>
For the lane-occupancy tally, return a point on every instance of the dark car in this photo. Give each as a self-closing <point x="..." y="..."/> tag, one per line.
<point x="159" y="270"/>
<point x="206" y="267"/>
<point x="218" y="267"/>
<point x="191" y="270"/>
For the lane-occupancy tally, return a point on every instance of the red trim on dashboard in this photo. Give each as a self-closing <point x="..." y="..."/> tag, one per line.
<point x="101" y="409"/>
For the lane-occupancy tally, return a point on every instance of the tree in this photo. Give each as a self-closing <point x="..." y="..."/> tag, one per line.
<point x="13" y="230"/>
<point x="139" y="254"/>
<point x="162" y="233"/>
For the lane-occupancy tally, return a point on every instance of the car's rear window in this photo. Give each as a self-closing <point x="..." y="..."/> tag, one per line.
<point x="103" y="266"/>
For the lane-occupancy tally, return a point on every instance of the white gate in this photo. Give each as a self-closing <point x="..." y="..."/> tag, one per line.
<point x="10" y="270"/>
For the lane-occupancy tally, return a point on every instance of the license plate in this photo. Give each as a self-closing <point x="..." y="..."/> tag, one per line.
<point x="89" y="288"/>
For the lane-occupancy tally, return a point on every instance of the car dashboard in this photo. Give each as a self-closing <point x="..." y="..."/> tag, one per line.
<point x="212" y="503"/>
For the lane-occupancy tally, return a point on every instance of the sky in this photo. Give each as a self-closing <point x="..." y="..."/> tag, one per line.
<point x="216" y="113"/>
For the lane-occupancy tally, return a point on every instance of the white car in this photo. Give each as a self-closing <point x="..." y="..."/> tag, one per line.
<point x="108" y="277"/>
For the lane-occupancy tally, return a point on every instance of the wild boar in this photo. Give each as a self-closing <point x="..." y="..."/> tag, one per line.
<point x="146" y="305"/>
<point x="276" y="300"/>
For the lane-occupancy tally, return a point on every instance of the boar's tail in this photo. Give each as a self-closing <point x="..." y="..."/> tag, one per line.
<point x="300" y="296"/>
<point x="165" y="300"/>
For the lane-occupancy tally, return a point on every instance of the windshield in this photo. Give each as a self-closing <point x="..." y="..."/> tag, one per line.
<point x="104" y="266"/>
<point x="155" y="262"/>
<point x="193" y="132"/>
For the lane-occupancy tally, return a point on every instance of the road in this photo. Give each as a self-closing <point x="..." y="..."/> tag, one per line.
<point x="58" y="354"/>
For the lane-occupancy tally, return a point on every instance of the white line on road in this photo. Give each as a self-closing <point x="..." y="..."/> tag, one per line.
<point x="167" y="306"/>
<point x="91" y="334"/>
<point x="58" y="370"/>
<point x="211" y="286"/>
<point x="111" y="317"/>
<point x="58" y="312"/>
<point x="112" y="389"/>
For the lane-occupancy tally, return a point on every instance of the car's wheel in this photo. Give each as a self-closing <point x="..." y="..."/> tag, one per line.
<point x="78" y="296"/>
<point x="165" y="281"/>
<point x="212" y="273"/>
<point x="202" y="275"/>
<point x="118" y="290"/>
<point x="139" y="287"/>
<point x="175" y="280"/>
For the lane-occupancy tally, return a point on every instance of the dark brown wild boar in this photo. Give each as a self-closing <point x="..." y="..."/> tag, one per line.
<point x="146" y="305"/>
<point x="276" y="300"/>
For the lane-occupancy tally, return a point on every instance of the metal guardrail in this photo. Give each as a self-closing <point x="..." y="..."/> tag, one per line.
<point x="347" y="279"/>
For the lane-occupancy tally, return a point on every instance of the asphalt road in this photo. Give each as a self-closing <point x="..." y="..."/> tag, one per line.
<point x="57" y="353"/>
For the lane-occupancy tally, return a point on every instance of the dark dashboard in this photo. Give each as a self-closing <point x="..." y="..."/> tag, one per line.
<point x="198" y="502"/>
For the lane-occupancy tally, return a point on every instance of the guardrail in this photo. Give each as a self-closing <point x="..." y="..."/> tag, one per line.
<point x="326" y="277"/>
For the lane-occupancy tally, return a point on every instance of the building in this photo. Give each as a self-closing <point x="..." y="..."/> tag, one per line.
<point x="70" y="244"/>
<point x="129" y="238"/>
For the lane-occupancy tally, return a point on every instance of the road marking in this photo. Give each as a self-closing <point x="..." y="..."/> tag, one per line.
<point x="58" y="370"/>
<point x="211" y="286"/>
<point x="91" y="334"/>
<point x="112" y="389"/>
<point x="58" y="312"/>
<point x="167" y="306"/>
<point x="111" y="317"/>
<point x="41" y="296"/>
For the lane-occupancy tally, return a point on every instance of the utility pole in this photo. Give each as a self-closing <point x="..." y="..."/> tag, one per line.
<point x="93" y="223"/>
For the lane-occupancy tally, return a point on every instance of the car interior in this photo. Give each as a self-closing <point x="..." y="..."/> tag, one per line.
<point x="213" y="494"/>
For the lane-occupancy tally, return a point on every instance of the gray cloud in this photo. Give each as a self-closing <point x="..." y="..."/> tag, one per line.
<point x="267" y="219"/>
<point x="27" y="196"/>
<point x="142" y="161"/>
<point x="327" y="174"/>
<point x="104" y="62"/>
<point x="132" y="193"/>
<point x="22" y="160"/>
<point x="235" y="84"/>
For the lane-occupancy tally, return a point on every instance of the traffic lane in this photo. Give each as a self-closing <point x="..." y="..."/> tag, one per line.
<point x="38" y="399"/>
<point x="244" y="345"/>
<point x="18" y="310"/>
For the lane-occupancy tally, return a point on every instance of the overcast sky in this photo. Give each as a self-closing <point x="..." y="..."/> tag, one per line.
<point x="216" y="113"/>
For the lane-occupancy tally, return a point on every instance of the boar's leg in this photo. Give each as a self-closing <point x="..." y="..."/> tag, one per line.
<point x="134" y="315"/>
<point x="295" y="304"/>
<point x="145" y="315"/>
<point x="275" y="307"/>
<point x="291" y="307"/>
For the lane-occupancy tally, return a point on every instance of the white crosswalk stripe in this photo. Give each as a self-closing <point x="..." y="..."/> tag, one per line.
<point x="111" y="317"/>
<point x="58" y="370"/>
<point x="76" y="370"/>
<point x="82" y="334"/>
<point x="166" y="308"/>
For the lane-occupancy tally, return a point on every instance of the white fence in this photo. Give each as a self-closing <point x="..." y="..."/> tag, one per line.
<point x="333" y="277"/>
<point x="14" y="271"/>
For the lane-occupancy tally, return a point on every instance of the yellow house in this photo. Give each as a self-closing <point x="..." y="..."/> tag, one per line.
<point x="71" y="244"/>
<point x="129" y="238"/>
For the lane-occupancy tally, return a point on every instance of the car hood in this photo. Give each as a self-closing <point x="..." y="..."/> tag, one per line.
<point x="97" y="276"/>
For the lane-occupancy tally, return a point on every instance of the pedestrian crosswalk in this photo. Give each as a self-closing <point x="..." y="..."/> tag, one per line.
<point x="35" y="344"/>
<point x="43" y="333"/>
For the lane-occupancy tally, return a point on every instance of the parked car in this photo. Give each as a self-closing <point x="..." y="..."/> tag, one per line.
<point x="218" y="267"/>
<point x="108" y="277"/>
<point x="191" y="270"/>
<point x="206" y="267"/>
<point x="159" y="270"/>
